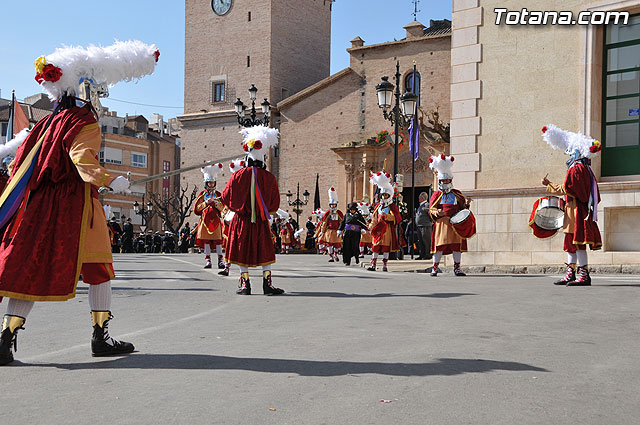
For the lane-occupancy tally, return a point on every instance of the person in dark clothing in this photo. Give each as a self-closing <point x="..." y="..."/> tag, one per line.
<point x="117" y="233"/>
<point x="311" y="229"/>
<point x="424" y="224"/>
<point x="157" y="243"/>
<point x="140" y="244"/>
<point x="168" y="243"/>
<point x="127" y="236"/>
<point x="412" y="237"/>
<point x="351" y="227"/>
<point x="148" y="241"/>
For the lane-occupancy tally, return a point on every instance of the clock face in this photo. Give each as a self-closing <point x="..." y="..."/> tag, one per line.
<point x="221" y="7"/>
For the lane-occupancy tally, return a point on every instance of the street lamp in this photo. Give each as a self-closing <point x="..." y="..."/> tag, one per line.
<point x="252" y="120"/>
<point x="397" y="116"/>
<point x="144" y="212"/>
<point x="297" y="203"/>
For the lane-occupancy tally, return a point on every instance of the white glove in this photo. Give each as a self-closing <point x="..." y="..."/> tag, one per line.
<point x="339" y="233"/>
<point x="120" y="184"/>
<point x="362" y="231"/>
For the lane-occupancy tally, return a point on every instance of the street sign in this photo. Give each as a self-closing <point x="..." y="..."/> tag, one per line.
<point x="143" y="228"/>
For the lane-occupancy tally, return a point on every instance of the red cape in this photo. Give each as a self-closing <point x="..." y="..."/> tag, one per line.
<point x="40" y="248"/>
<point x="577" y="183"/>
<point x="380" y="231"/>
<point x="250" y="244"/>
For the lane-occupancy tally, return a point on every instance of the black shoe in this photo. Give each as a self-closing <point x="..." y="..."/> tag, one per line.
<point x="357" y="260"/>
<point x="569" y="277"/>
<point x="459" y="272"/>
<point x="434" y="272"/>
<point x="347" y="264"/>
<point x="244" y="288"/>
<point x="582" y="277"/>
<point x="208" y="265"/>
<point x="224" y="272"/>
<point x="101" y="343"/>
<point x="268" y="288"/>
<point x="8" y="338"/>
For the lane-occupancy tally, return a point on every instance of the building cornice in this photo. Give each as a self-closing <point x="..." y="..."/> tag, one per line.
<point x="200" y="116"/>
<point x="604" y="187"/>
<point x="399" y="42"/>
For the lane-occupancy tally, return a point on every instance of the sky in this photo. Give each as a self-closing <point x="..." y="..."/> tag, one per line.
<point x="33" y="28"/>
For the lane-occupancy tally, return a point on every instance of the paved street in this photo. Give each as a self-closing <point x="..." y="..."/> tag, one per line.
<point x="477" y="350"/>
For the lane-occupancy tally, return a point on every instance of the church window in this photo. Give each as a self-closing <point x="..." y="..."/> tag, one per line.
<point x="248" y="61"/>
<point x="249" y="17"/>
<point x="621" y="99"/>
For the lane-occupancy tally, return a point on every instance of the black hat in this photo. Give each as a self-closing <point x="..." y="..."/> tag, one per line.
<point x="353" y="206"/>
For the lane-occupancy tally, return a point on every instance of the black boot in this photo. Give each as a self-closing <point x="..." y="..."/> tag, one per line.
<point x="582" y="277"/>
<point x="244" y="287"/>
<point x="221" y="264"/>
<point x="101" y="343"/>
<point x="10" y="326"/>
<point x="224" y="272"/>
<point x="570" y="276"/>
<point x="267" y="285"/>
<point x="457" y="271"/>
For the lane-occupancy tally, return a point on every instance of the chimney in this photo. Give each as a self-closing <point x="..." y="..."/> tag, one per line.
<point x="414" y="30"/>
<point x="357" y="42"/>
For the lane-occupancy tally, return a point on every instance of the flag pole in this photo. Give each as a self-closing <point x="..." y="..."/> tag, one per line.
<point x="415" y="140"/>
<point x="12" y="117"/>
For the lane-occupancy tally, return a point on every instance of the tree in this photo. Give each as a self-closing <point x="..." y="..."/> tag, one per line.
<point x="174" y="209"/>
<point x="437" y="131"/>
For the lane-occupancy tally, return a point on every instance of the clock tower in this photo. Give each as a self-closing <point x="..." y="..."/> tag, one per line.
<point x="281" y="46"/>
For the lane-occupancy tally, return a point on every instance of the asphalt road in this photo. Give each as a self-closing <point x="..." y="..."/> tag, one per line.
<point x="475" y="350"/>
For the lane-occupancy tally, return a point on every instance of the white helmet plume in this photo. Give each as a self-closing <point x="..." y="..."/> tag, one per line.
<point x="63" y="70"/>
<point x="383" y="181"/>
<point x="257" y="140"/>
<point x="211" y="172"/>
<point x="569" y="142"/>
<point x="333" y="196"/>
<point x="443" y="165"/>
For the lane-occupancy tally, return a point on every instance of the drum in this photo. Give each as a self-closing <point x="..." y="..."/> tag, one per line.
<point x="464" y="223"/>
<point x="549" y="213"/>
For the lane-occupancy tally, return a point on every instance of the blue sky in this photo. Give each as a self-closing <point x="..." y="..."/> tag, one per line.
<point x="32" y="28"/>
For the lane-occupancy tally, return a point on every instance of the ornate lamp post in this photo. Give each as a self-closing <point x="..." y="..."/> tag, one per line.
<point x="145" y="213"/>
<point x="252" y="120"/>
<point x="297" y="203"/>
<point x="399" y="117"/>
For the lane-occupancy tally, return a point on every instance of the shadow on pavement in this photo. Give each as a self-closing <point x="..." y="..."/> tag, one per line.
<point x="85" y="289"/>
<point x="381" y="295"/>
<point x="444" y="367"/>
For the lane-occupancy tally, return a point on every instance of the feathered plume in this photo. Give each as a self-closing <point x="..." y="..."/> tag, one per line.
<point x="11" y="147"/>
<point x="211" y="172"/>
<point x="383" y="181"/>
<point x="568" y="141"/>
<point x="283" y="214"/>
<point x="257" y="140"/>
<point x="443" y="165"/>
<point x="63" y="70"/>
<point x="237" y="164"/>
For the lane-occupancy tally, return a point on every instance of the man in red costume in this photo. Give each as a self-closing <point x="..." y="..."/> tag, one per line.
<point x="444" y="204"/>
<point x="286" y="232"/>
<point x="208" y="206"/>
<point x="581" y="195"/>
<point x="329" y="227"/>
<point x="252" y="194"/>
<point x="53" y="228"/>
<point x="385" y="219"/>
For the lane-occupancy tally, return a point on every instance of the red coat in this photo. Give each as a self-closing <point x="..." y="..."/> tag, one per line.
<point x="40" y="250"/>
<point x="250" y="244"/>
<point x="384" y="227"/>
<point x="443" y="237"/>
<point x="577" y="184"/>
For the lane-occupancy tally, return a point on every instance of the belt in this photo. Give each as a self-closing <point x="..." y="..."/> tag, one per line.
<point x="353" y="227"/>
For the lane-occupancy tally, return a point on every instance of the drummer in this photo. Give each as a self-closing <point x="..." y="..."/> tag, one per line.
<point x="581" y="196"/>
<point x="445" y="203"/>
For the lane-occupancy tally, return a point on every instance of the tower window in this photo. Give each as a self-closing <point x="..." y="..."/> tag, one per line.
<point x="249" y="16"/>
<point x="218" y="92"/>
<point x="248" y="61"/>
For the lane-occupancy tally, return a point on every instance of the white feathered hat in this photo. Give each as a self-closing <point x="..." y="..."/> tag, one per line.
<point x="363" y="207"/>
<point x="318" y="213"/>
<point x="257" y="140"/>
<point x="11" y="147"/>
<point x="63" y="70"/>
<point x="237" y="164"/>
<point x="211" y="172"/>
<point x="569" y="142"/>
<point x="442" y="164"/>
<point x="333" y="196"/>
<point x="383" y="181"/>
